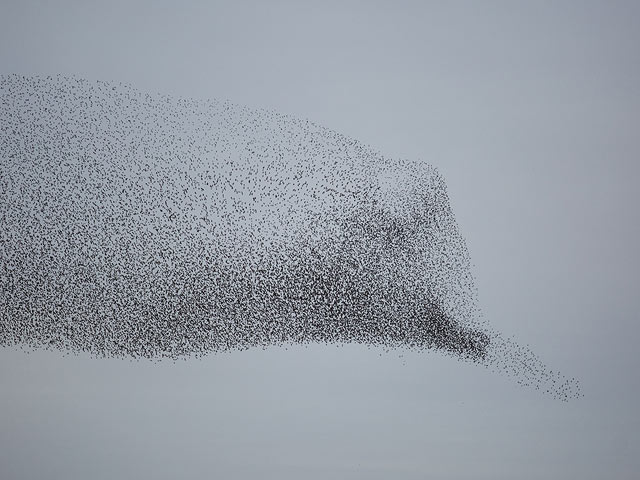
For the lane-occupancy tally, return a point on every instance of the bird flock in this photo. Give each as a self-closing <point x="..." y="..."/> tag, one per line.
<point x="147" y="226"/>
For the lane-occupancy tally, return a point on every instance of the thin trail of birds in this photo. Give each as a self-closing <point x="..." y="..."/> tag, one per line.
<point x="147" y="226"/>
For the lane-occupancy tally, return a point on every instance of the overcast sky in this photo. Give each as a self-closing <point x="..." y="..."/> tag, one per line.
<point x="530" y="110"/>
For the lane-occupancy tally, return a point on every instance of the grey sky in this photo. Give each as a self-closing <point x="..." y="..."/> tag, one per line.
<point x="530" y="110"/>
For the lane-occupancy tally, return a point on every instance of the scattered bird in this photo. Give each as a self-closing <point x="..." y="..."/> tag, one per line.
<point x="142" y="225"/>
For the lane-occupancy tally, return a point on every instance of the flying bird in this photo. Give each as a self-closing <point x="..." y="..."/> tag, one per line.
<point x="142" y="225"/>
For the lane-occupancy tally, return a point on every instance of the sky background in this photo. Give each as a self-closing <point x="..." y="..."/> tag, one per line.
<point x="530" y="110"/>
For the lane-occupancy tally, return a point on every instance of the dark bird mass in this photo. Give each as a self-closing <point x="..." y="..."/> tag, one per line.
<point x="142" y="225"/>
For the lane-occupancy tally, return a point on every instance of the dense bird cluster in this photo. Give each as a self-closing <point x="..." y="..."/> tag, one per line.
<point x="149" y="226"/>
